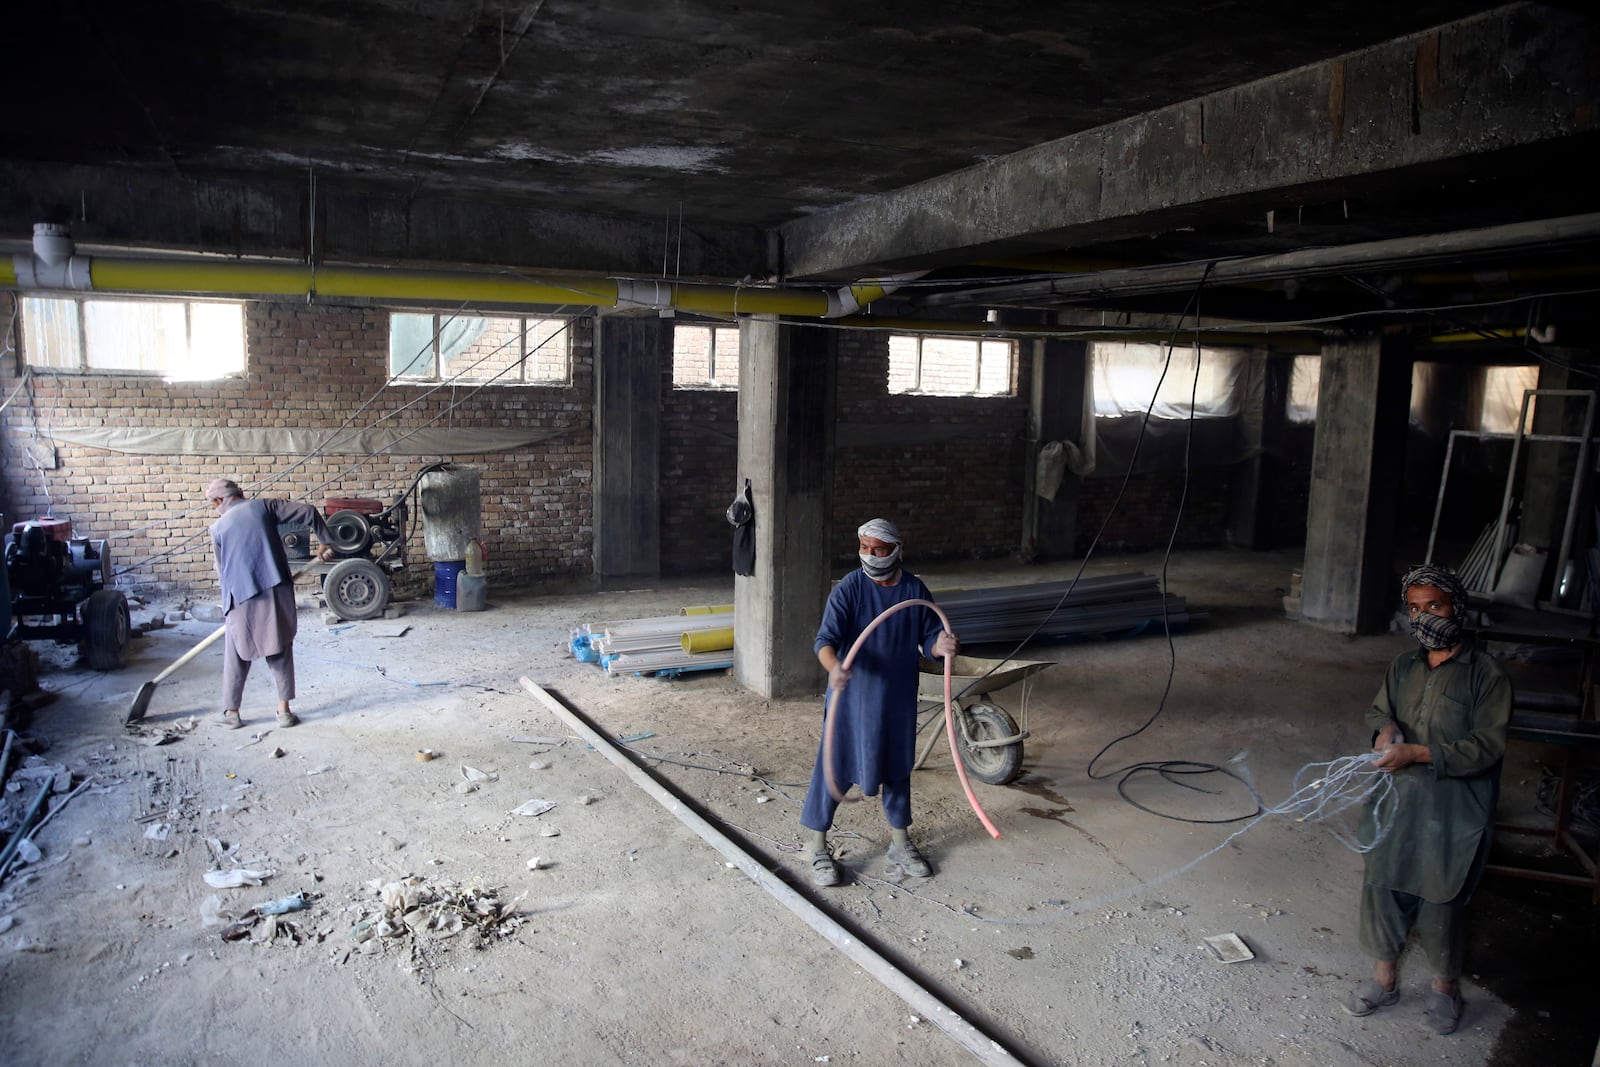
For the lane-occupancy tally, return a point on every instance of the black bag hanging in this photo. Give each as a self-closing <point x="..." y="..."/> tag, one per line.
<point x="742" y="516"/>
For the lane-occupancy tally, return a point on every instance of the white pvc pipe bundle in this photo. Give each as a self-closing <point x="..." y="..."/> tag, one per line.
<point x="646" y="646"/>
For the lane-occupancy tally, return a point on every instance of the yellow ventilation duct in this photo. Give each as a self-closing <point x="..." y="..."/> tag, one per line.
<point x="53" y="265"/>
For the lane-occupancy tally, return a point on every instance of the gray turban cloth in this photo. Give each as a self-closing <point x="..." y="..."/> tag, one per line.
<point x="882" y="529"/>
<point x="1441" y="579"/>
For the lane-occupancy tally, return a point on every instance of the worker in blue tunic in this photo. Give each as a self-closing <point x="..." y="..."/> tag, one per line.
<point x="259" y="618"/>
<point x="874" y="736"/>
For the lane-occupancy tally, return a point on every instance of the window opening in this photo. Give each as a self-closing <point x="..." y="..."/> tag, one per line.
<point x="705" y="356"/>
<point x="1125" y="377"/>
<point x="506" y="350"/>
<point x="181" y="340"/>
<point x="934" y="365"/>
<point x="1305" y="385"/>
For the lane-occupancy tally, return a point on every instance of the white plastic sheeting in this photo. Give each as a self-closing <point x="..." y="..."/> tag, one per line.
<point x="1126" y="376"/>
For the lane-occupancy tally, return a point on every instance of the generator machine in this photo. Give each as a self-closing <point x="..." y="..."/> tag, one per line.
<point x="59" y="588"/>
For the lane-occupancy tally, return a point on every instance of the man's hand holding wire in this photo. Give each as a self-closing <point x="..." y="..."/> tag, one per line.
<point x="838" y="676"/>
<point x="1399" y="754"/>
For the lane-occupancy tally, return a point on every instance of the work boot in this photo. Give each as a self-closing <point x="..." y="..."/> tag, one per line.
<point x="908" y="859"/>
<point x="287" y="719"/>
<point x="231" y="720"/>
<point x="824" y="872"/>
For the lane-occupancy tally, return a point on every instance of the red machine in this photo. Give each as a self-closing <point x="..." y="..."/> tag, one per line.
<point x="59" y="587"/>
<point x="370" y="542"/>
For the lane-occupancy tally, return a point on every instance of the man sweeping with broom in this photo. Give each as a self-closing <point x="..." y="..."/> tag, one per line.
<point x="257" y="591"/>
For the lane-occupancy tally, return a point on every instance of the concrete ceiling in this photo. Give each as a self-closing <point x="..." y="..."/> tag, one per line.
<point x="1001" y="142"/>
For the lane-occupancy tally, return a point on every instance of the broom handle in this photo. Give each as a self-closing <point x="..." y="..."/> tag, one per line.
<point x="210" y="639"/>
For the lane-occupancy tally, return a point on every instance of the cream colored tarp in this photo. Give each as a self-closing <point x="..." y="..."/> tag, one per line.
<point x="242" y="441"/>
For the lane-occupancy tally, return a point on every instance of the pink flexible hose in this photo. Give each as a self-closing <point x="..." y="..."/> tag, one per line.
<point x="949" y="716"/>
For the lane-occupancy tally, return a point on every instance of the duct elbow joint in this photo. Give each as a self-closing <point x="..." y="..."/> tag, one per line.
<point x="34" y="272"/>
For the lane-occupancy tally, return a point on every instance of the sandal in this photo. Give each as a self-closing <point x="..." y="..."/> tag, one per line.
<point x="909" y="860"/>
<point x="1368" y="997"/>
<point x="230" y="720"/>
<point x="1442" y="1011"/>
<point x="824" y="872"/>
<point x="287" y="719"/>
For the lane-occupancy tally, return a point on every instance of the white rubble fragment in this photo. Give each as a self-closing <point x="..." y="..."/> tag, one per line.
<point x="535" y="806"/>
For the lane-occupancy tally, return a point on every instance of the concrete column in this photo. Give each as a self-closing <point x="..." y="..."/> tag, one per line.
<point x="629" y="354"/>
<point x="787" y="379"/>
<point x="1058" y="410"/>
<point x="1356" y="463"/>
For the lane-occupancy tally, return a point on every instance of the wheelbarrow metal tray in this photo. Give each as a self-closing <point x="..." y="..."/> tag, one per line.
<point x="967" y="671"/>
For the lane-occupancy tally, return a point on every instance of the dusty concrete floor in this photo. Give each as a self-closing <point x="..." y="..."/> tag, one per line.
<point x="635" y="943"/>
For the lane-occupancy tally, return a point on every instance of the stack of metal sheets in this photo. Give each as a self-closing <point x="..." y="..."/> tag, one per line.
<point x="1115" y="606"/>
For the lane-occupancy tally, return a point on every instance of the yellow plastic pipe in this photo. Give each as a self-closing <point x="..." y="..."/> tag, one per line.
<point x="706" y="609"/>
<point x="707" y="640"/>
<point x="236" y="278"/>
<point x="285" y="279"/>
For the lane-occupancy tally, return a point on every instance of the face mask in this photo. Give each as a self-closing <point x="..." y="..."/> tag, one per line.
<point x="879" y="568"/>
<point x="1436" y="632"/>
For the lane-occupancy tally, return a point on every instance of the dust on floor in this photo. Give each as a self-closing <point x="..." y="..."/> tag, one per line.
<point x="630" y="940"/>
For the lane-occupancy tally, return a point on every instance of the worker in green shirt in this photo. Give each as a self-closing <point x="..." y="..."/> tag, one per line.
<point x="1439" y="728"/>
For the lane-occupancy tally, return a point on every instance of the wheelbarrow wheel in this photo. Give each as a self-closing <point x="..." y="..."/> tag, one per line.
<point x="996" y="765"/>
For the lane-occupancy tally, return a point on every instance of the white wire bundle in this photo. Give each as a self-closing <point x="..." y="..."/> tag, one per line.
<point x="1345" y="785"/>
<point x="1335" y="797"/>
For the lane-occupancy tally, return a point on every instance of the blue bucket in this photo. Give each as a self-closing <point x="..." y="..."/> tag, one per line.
<point x="444" y="583"/>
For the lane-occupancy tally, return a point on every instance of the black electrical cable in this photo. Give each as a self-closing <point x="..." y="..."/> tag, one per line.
<point x="1127" y="476"/>
<point x="1171" y="771"/>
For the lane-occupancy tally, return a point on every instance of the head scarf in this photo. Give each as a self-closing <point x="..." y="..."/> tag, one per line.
<point x="881" y="568"/>
<point x="881" y="529"/>
<point x="1436" y="632"/>
<point x="223" y="489"/>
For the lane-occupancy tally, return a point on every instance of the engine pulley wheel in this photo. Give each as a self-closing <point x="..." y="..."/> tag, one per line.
<point x="351" y="531"/>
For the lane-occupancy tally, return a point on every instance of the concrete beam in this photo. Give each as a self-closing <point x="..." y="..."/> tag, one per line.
<point x="149" y="208"/>
<point x="1397" y="113"/>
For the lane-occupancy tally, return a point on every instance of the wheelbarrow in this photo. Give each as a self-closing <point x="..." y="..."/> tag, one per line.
<point x="986" y="735"/>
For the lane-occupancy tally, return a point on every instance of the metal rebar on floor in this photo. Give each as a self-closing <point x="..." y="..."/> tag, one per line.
<point x="918" y="997"/>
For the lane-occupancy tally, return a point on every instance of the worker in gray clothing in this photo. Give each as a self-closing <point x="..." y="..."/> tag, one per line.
<point x="1439" y="729"/>
<point x="260" y="619"/>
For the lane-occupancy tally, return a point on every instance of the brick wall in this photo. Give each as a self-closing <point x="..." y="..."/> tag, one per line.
<point x="699" y="465"/>
<point x="1144" y="518"/>
<point x="948" y="469"/>
<point x="959" y="497"/>
<point x="307" y="367"/>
